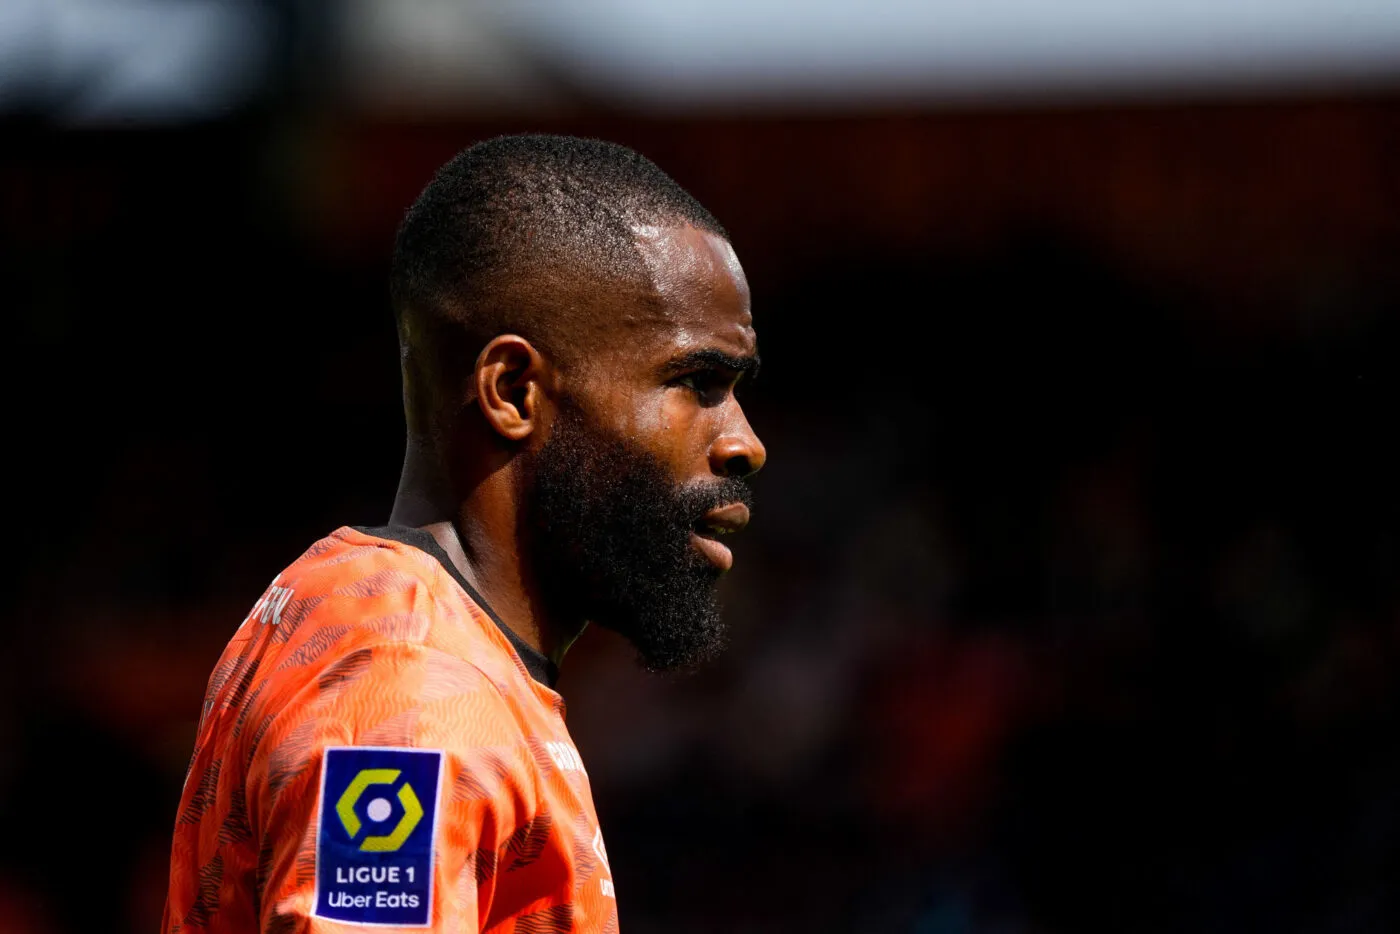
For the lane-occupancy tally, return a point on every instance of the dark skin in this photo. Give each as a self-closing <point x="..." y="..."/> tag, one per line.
<point x="661" y="372"/>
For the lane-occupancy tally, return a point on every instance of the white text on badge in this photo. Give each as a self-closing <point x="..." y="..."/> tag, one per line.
<point x="380" y="900"/>
<point x="371" y="874"/>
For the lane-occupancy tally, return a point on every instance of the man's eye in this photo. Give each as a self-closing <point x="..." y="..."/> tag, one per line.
<point x="709" y="387"/>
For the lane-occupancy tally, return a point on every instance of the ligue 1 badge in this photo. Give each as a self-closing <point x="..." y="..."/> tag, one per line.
<point x="374" y="848"/>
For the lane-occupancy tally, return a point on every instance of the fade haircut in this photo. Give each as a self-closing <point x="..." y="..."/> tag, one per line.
<point x="520" y="235"/>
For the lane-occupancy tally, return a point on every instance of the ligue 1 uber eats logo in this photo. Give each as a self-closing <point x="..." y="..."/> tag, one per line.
<point x="374" y="857"/>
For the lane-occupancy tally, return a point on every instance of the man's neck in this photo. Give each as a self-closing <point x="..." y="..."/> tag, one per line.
<point x="479" y="533"/>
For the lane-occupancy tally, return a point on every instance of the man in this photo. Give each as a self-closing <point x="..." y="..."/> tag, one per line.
<point x="381" y="743"/>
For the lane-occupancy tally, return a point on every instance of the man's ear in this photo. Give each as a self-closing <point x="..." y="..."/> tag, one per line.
<point x="511" y="377"/>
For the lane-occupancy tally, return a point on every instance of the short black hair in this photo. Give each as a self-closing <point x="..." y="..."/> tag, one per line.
<point x="505" y="237"/>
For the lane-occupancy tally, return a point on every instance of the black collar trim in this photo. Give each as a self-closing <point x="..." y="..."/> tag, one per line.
<point x="540" y="668"/>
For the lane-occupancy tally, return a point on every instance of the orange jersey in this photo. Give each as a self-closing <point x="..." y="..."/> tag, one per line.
<point x="374" y="750"/>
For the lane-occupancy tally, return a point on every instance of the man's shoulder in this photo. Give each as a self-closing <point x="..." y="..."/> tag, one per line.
<point x="363" y="626"/>
<point x="355" y="597"/>
<point x="361" y="640"/>
<point x="352" y="562"/>
<point x="354" y="590"/>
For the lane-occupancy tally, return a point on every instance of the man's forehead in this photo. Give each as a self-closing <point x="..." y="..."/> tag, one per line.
<point x="698" y="285"/>
<point x="691" y="297"/>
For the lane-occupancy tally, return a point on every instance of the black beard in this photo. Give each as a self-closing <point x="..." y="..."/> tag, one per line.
<point x="609" y="541"/>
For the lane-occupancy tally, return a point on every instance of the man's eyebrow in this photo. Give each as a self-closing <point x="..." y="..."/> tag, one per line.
<point x="713" y="360"/>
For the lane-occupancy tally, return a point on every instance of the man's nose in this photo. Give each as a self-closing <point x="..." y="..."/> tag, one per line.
<point x="738" y="452"/>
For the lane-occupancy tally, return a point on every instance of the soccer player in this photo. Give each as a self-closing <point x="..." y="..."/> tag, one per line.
<point x="381" y="742"/>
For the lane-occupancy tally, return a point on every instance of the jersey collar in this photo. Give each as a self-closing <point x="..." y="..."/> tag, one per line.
<point x="540" y="668"/>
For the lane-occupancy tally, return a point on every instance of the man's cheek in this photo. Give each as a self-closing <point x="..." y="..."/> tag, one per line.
<point x="641" y="417"/>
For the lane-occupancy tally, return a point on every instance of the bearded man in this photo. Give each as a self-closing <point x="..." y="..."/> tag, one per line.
<point x="381" y="742"/>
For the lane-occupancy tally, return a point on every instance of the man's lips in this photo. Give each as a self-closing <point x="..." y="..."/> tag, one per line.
<point x="722" y="521"/>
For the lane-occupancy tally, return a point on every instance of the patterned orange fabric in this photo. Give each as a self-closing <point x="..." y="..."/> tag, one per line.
<point x="370" y="642"/>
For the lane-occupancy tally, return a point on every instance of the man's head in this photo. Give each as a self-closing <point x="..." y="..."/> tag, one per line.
<point x="572" y="328"/>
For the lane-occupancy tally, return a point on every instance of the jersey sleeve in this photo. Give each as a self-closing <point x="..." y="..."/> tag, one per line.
<point x="384" y="793"/>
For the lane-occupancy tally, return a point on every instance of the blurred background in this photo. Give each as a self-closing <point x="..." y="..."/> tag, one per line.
<point x="1071" y="602"/>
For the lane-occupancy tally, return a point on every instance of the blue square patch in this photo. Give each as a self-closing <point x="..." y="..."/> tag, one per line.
<point x="374" y="848"/>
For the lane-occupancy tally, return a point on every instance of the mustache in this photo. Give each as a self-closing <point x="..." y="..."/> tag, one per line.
<point x="696" y="499"/>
